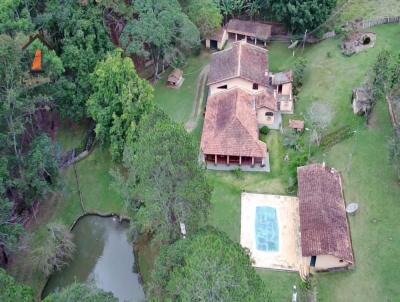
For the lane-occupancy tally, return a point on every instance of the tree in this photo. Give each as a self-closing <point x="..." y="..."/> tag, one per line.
<point x="290" y="139"/>
<point x="231" y="8"/>
<point x="168" y="185"/>
<point x="82" y="40"/>
<point x="205" y="15"/>
<point x="14" y="17"/>
<point x="82" y="293"/>
<point x="320" y="115"/>
<point x="302" y="15"/>
<point x="119" y="100"/>
<point x="11" y="291"/>
<point x="298" y="74"/>
<point x="57" y="251"/>
<point x="207" y="266"/>
<point x="161" y="31"/>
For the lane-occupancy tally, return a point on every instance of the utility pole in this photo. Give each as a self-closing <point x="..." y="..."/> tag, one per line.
<point x="304" y="39"/>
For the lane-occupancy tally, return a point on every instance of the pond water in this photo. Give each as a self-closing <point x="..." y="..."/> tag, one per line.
<point x="104" y="257"/>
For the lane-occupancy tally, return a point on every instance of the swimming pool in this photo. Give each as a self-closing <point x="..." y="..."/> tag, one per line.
<point x="267" y="230"/>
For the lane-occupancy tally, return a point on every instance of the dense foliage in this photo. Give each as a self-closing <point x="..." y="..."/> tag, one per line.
<point x="82" y="293"/>
<point x="206" y="15"/>
<point x="11" y="291"/>
<point x="165" y="185"/>
<point x="15" y="17"/>
<point x="302" y="15"/>
<point x="82" y="40"/>
<point x="119" y="100"/>
<point x="161" y="31"/>
<point x="207" y="266"/>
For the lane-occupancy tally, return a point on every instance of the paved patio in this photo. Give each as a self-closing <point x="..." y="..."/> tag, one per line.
<point x="288" y="257"/>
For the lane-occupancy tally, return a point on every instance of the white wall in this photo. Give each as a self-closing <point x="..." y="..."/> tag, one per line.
<point x="235" y="82"/>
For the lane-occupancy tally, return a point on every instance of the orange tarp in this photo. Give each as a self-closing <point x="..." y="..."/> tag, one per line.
<point x="37" y="62"/>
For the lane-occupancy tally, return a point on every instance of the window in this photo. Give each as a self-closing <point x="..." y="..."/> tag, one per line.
<point x="341" y="260"/>
<point x="279" y="89"/>
<point x="223" y="87"/>
<point x="269" y="113"/>
<point x="255" y="86"/>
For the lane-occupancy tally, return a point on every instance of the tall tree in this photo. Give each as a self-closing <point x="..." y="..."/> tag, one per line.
<point x="82" y="40"/>
<point x="205" y="15"/>
<point x="11" y="291"/>
<point x="207" y="266"/>
<point x="82" y="293"/>
<point x="168" y="185"/>
<point x="302" y="15"/>
<point x="119" y="100"/>
<point x="161" y="31"/>
<point x="15" y="17"/>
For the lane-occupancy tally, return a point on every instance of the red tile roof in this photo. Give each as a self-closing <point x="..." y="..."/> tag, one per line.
<point x="242" y="60"/>
<point x="230" y="125"/>
<point x="323" y="221"/>
<point x="266" y="99"/>
<point x="254" y="29"/>
<point x="296" y="124"/>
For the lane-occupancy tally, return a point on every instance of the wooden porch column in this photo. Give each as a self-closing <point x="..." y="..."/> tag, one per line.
<point x="263" y="162"/>
<point x="235" y="37"/>
<point x="252" y="161"/>
<point x="240" y="160"/>
<point x="255" y="41"/>
<point x="215" y="159"/>
<point x="227" y="160"/>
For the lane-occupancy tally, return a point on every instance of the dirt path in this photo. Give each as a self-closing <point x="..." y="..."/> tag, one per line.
<point x="191" y="124"/>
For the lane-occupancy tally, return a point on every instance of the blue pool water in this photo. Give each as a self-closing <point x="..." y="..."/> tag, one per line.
<point x="267" y="231"/>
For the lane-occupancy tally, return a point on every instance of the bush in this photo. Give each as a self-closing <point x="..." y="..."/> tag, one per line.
<point x="57" y="250"/>
<point x="264" y="130"/>
<point x="238" y="173"/>
<point x="298" y="73"/>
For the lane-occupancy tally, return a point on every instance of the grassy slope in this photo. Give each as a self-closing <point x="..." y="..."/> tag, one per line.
<point x="369" y="9"/>
<point x="178" y="103"/>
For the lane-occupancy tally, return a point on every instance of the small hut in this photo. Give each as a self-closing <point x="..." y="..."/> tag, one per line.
<point x="361" y="101"/>
<point x="297" y="125"/>
<point x="175" y="79"/>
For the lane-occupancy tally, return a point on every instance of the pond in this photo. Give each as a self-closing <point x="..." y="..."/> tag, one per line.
<point x="104" y="257"/>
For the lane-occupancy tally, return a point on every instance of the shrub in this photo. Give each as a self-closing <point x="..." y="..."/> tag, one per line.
<point x="264" y="130"/>
<point x="299" y="68"/>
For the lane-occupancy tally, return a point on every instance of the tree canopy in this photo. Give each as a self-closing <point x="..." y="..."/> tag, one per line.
<point x="302" y="15"/>
<point x="119" y="100"/>
<point x="166" y="185"/>
<point x="161" y="31"/>
<point x="207" y="266"/>
<point x="11" y="291"/>
<point x="205" y="15"/>
<point x="82" y="293"/>
<point x="82" y="40"/>
<point x="15" y="17"/>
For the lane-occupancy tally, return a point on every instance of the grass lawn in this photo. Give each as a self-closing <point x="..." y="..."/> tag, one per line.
<point x="369" y="9"/>
<point x="98" y="196"/>
<point x="178" y="103"/>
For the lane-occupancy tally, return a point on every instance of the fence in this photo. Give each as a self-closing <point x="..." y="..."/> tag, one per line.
<point x="371" y="23"/>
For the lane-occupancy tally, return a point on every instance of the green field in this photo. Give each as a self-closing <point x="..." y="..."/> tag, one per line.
<point x="178" y="103"/>
<point x="368" y="9"/>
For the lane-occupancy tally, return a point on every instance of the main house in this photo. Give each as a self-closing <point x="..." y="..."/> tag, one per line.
<point x="325" y="234"/>
<point x="243" y="97"/>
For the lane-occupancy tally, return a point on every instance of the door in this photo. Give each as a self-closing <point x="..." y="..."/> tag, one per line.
<point x="313" y="260"/>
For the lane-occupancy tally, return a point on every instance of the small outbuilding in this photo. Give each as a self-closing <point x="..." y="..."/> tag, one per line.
<point x="175" y="79"/>
<point x="250" y="31"/>
<point x="325" y="233"/>
<point x="297" y="125"/>
<point x="361" y="101"/>
<point x="217" y="40"/>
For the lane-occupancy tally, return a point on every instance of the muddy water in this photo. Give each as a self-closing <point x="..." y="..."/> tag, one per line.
<point x="104" y="257"/>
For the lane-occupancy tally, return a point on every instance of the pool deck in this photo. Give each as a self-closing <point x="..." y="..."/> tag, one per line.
<point x="288" y="258"/>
